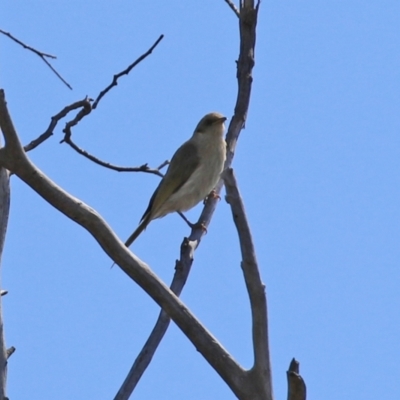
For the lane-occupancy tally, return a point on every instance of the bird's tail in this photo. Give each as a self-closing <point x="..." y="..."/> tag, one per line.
<point x="142" y="226"/>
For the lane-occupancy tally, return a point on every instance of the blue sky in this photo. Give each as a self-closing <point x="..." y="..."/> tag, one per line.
<point x="318" y="167"/>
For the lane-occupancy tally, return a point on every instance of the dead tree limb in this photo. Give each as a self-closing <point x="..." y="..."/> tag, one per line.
<point x="4" y="213"/>
<point x="260" y="374"/>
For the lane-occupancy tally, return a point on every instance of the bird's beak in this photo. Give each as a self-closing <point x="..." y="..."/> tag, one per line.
<point x="220" y="120"/>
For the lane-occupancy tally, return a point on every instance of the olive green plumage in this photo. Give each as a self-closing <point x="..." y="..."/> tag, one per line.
<point x="193" y="172"/>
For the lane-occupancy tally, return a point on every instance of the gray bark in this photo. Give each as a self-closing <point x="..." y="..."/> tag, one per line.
<point x="4" y="212"/>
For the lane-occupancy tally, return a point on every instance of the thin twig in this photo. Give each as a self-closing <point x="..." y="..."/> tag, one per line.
<point x="142" y="168"/>
<point x="233" y="7"/>
<point x="41" y="54"/>
<point x="164" y="164"/>
<point x="53" y="123"/>
<point x="85" y="110"/>
<point x="59" y="76"/>
<point x="126" y="72"/>
<point x="85" y="104"/>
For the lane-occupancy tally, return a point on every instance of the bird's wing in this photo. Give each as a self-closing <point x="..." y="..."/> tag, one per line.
<point x="183" y="163"/>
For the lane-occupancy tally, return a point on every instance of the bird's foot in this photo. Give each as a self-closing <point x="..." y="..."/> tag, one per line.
<point x="212" y="195"/>
<point x="199" y="225"/>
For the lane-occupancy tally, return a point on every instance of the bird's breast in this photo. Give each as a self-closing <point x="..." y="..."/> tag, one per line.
<point x="201" y="182"/>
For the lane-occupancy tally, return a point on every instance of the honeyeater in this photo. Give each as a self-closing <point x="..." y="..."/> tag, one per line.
<point x="193" y="172"/>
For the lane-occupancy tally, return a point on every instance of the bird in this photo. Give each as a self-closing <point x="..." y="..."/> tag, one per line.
<point x="192" y="174"/>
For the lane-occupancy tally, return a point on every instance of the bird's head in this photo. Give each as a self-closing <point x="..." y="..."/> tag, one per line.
<point x="212" y="123"/>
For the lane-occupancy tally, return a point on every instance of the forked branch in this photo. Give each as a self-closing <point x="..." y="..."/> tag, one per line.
<point x="53" y="123"/>
<point x="86" y="108"/>
<point x="41" y="54"/>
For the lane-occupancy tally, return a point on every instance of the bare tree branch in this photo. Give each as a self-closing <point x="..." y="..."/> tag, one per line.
<point x="4" y="213"/>
<point x="53" y="123"/>
<point x="86" y="108"/>
<point x="126" y="71"/>
<point x="261" y="371"/>
<point x="296" y="386"/>
<point x="233" y="7"/>
<point x="42" y="55"/>
<point x="13" y="158"/>
<point x="39" y="53"/>
<point x="146" y="354"/>
<point x="245" y="64"/>
<point x="142" y="168"/>
<point x="248" y="22"/>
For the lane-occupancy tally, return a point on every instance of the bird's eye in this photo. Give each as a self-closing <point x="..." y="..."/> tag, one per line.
<point x="211" y="121"/>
